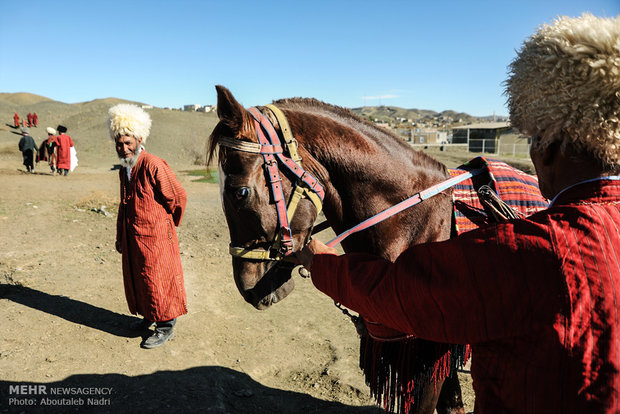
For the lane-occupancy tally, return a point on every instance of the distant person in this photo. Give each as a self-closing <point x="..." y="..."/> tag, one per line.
<point x="47" y="150"/>
<point x="35" y="119"/>
<point x="65" y="143"/>
<point x="28" y="147"/>
<point x="538" y="298"/>
<point x="16" y="120"/>
<point x="29" y="117"/>
<point x="152" y="204"/>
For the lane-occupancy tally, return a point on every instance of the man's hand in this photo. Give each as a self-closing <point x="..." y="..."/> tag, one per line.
<point x="305" y="256"/>
<point x="118" y="246"/>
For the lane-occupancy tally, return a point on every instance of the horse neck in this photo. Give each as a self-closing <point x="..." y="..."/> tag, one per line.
<point x="366" y="170"/>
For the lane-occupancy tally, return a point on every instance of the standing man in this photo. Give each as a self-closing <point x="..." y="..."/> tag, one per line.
<point x="537" y="298"/>
<point x="63" y="151"/>
<point x="16" y="120"/>
<point x="28" y="147"/>
<point x="47" y="151"/>
<point x="152" y="204"/>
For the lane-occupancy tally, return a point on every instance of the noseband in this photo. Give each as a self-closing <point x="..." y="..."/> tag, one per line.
<point x="277" y="156"/>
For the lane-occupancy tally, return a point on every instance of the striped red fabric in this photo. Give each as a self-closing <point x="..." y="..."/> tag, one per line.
<point x="152" y="204"/>
<point x="516" y="188"/>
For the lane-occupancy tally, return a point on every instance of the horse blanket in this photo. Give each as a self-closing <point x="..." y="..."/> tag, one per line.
<point x="516" y="188"/>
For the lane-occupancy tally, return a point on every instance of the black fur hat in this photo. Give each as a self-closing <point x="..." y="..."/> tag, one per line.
<point x="61" y="129"/>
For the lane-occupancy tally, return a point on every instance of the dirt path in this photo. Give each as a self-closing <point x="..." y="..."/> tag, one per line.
<point x="65" y="315"/>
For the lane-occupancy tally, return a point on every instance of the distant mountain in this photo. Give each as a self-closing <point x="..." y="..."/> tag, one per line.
<point x="22" y="98"/>
<point x="391" y="114"/>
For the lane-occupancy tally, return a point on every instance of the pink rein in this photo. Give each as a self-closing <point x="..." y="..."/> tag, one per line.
<point x="403" y="205"/>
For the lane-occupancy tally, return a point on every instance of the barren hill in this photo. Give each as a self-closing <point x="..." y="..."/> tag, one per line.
<point x="22" y="98"/>
<point x="179" y="137"/>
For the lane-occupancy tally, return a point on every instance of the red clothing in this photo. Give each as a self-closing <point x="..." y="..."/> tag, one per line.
<point x="35" y="119"/>
<point x="64" y="151"/>
<point x="152" y="204"/>
<point x="538" y="299"/>
<point x="16" y="119"/>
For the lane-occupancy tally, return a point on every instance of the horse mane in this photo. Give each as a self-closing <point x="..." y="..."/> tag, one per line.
<point x="342" y="116"/>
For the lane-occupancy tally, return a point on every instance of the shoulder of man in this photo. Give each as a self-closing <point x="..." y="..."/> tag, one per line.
<point x="153" y="160"/>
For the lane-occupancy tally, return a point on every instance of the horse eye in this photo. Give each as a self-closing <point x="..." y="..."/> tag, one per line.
<point x="242" y="193"/>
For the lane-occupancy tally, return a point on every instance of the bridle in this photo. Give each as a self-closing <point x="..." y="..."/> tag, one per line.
<point x="277" y="156"/>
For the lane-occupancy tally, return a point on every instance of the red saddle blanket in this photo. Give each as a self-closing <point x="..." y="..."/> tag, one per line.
<point x="516" y="188"/>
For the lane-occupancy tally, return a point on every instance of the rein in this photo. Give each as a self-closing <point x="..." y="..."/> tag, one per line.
<point x="403" y="205"/>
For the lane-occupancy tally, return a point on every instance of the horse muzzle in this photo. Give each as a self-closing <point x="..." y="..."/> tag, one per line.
<point x="273" y="286"/>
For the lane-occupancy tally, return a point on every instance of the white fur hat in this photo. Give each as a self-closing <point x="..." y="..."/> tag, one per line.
<point x="565" y="86"/>
<point x="50" y="130"/>
<point x="127" y="119"/>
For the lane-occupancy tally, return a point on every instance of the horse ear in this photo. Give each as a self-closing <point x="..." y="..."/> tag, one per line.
<point x="228" y="109"/>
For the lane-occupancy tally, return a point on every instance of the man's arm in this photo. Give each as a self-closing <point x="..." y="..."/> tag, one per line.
<point x="486" y="285"/>
<point x="174" y="195"/>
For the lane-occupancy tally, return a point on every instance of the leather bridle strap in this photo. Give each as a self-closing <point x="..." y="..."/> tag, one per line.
<point x="269" y="147"/>
<point x="283" y="241"/>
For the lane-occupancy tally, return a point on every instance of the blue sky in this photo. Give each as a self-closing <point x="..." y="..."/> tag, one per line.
<point x="434" y="55"/>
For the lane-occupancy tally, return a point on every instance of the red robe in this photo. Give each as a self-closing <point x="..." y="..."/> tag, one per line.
<point x="152" y="204"/>
<point x="538" y="299"/>
<point x="16" y="119"/>
<point x="64" y="151"/>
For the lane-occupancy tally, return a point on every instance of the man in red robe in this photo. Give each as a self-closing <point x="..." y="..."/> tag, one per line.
<point x="63" y="161"/>
<point x="35" y="119"/>
<point x="16" y="120"/>
<point x="537" y="298"/>
<point x="29" y="117"/>
<point x="152" y="204"/>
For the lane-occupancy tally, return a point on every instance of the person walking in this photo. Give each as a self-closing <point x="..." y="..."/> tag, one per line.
<point x="28" y="148"/>
<point x="152" y="205"/>
<point x="35" y="119"/>
<point x="537" y="298"/>
<point x="47" y="150"/>
<point x="16" y="120"/>
<point x="65" y="143"/>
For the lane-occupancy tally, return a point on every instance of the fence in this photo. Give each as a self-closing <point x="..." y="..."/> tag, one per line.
<point x="489" y="146"/>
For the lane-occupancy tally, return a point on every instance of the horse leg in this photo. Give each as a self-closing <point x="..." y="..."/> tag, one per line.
<point x="450" y="400"/>
<point x="427" y="401"/>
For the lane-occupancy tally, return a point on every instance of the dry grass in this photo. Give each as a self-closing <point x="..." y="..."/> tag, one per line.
<point x="97" y="199"/>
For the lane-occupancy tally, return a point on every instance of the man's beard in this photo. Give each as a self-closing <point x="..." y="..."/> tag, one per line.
<point x="131" y="161"/>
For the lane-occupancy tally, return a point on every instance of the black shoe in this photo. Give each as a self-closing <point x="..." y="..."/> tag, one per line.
<point x="141" y="325"/>
<point x="157" y="339"/>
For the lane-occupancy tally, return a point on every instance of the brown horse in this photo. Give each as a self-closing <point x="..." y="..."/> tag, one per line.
<point x="362" y="169"/>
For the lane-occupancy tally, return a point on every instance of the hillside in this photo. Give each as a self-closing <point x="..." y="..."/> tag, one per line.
<point x="391" y="113"/>
<point x="179" y="137"/>
<point x="21" y="98"/>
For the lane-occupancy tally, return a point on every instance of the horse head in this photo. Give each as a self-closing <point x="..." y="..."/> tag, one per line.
<point x="261" y="272"/>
